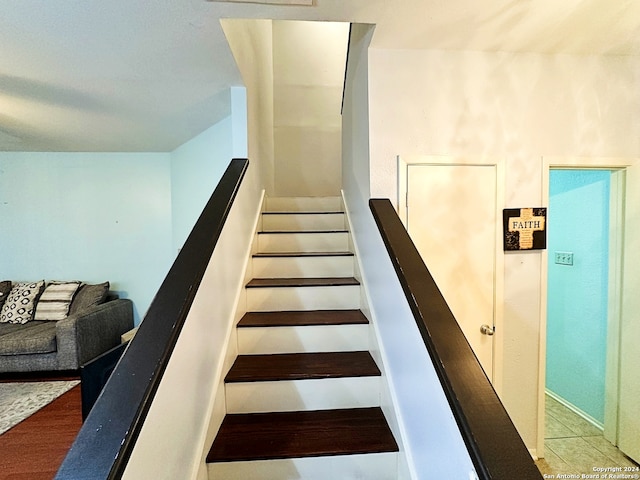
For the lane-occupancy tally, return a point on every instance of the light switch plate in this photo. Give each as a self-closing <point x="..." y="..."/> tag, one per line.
<point x="564" y="258"/>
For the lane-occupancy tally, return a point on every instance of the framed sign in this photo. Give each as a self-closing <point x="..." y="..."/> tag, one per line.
<point x="524" y="228"/>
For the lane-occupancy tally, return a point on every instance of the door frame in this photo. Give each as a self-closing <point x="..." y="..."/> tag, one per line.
<point x="618" y="167"/>
<point x="403" y="163"/>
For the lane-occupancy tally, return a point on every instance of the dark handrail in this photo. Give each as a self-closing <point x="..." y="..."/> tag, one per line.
<point x="495" y="447"/>
<point x="346" y="69"/>
<point x="104" y="444"/>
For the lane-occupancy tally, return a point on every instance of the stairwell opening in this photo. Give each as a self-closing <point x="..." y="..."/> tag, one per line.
<point x="294" y="74"/>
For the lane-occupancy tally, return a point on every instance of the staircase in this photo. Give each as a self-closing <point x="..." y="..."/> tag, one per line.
<point x="303" y="396"/>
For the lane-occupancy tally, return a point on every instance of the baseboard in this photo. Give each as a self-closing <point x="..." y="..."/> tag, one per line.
<point x="575" y="409"/>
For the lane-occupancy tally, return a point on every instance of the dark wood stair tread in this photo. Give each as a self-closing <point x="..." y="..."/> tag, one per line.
<point x="302" y="318"/>
<point x="302" y="254"/>
<point x="305" y="212"/>
<point x="265" y="436"/>
<point x="277" y="232"/>
<point x="302" y="282"/>
<point x="301" y="366"/>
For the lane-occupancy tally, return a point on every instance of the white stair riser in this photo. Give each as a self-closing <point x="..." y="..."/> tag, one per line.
<point x="297" y="395"/>
<point x="324" y="338"/>
<point x="297" y="267"/>
<point x="271" y="299"/>
<point x="303" y="222"/>
<point x="303" y="204"/>
<point x="378" y="466"/>
<point x="303" y="242"/>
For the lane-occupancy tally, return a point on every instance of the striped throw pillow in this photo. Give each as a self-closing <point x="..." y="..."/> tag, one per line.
<point x="55" y="301"/>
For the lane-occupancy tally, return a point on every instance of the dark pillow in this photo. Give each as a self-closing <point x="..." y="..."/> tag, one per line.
<point x="5" y="288"/>
<point x="89" y="296"/>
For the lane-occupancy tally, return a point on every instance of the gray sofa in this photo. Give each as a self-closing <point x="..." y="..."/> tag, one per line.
<point x="65" y="344"/>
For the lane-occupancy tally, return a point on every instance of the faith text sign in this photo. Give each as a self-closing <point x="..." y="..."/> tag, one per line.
<point x="525" y="228"/>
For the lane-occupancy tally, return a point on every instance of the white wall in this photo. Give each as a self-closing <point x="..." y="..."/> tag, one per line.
<point x="293" y="72"/>
<point x="308" y="76"/>
<point x="251" y="42"/>
<point x="426" y="430"/>
<point x="177" y="427"/>
<point x="87" y="216"/>
<point x="518" y="107"/>
<point x="181" y="436"/>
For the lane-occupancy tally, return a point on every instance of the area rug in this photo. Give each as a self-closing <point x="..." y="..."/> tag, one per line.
<point x="20" y="400"/>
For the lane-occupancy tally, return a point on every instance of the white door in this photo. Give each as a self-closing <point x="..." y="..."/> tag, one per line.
<point x="629" y="386"/>
<point x="452" y="219"/>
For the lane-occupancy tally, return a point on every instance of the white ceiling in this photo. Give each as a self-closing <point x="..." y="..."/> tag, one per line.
<point x="148" y="75"/>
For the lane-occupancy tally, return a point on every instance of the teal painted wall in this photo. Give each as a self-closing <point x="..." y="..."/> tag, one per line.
<point x="87" y="216"/>
<point x="111" y="216"/>
<point x="198" y="165"/>
<point x="577" y="295"/>
<point x="196" y="168"/>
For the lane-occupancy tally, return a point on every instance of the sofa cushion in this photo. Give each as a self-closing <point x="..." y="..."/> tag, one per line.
<point x="55" y="301"/>
<point x="5" y="288"/>
<point x="89" y="296"/>
<point x="34" y="337"/>
<point x="21" y="302"/>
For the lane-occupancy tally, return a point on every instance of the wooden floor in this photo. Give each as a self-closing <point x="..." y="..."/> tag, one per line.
<point x="35" y="448"/>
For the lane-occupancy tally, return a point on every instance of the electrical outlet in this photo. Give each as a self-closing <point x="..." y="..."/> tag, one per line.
<point x="564" y="258"/>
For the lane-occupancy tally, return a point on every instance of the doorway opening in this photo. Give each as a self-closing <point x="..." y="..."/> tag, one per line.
<point x="294" y="72"/>
<point x="580" y="352"/>
<point x="577" y="290"/>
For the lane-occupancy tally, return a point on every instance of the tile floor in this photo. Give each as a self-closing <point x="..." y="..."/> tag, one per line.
<point x="575" y="446"/>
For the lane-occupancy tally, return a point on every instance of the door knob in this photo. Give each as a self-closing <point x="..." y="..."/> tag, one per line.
<point x="487" y="330"/>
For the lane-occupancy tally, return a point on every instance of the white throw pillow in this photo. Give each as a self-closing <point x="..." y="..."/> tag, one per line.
<point x="21" y="301"/>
